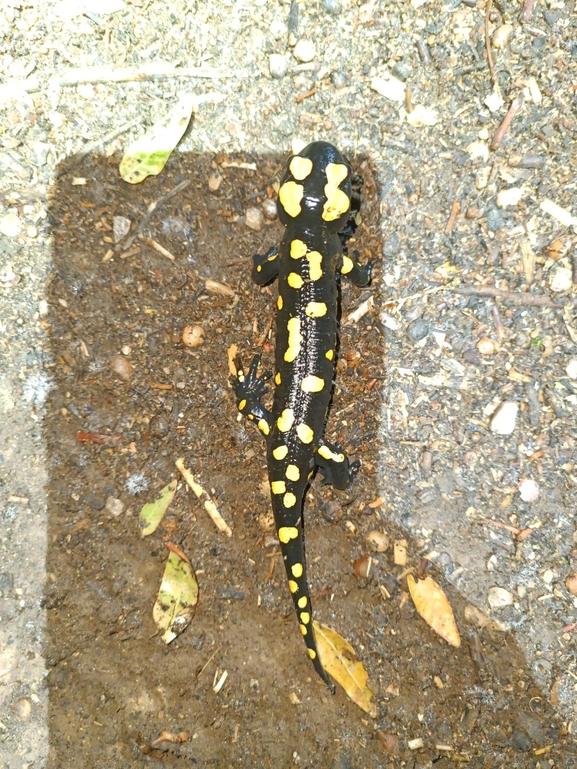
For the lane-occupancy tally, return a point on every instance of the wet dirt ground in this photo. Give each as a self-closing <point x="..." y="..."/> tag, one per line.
<point x="114" y="685"/>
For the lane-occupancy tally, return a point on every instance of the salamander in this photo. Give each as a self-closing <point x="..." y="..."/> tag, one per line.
<point x="317" y="204"/>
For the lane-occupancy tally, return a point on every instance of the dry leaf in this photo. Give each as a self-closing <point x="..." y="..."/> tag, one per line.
<point x="434" y="607"/>
<point x="177" y="597"/>
<point x="339" y="659"/>
<point x="153" y="512"/>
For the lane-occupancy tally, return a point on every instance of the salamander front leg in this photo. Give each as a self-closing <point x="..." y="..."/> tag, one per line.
<point x="265" y="266"/>
<point x="359" y="274"/>
<point x="335" y="466"/>
<point x="249" y="388"/>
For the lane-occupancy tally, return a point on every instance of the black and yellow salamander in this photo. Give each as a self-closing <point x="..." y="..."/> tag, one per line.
<point x="315" y="206"/>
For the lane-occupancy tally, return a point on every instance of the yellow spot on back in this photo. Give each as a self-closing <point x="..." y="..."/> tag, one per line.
<point x="295" y="339"/>
<point x="286" y="533"/>
<point x="294" y="280"/>
<point x="298" y="249"/>
<point x="297" y="570"/>
<point x="289" y="500"/>
<point x="292" y="472"/>
<point x="277" y="378"/>
<point x="241" y="405"/>
<point x="330" y="354"/>
<point x="290" y="196"/>
<point x="303" y="629"/>
<point x="262" y="425"/>
<point x="293" y="587"/>
<point x="280" y="452"/>
<point x="305" y="617"/>
<point x="316" y="309"/>
<point x="312" y="384"/>
<point x="279" y="302"/>
<point x="278" y="487"/>
<point x="337" y="200"/>
<point x="300" y="168"/>
<point x="348" y="265"/>
<point x="286" y="420"/>
<point x="302" y="602"/>
<point x="305" y="433"/>
<point x="315" y="260"/>
<point x="312" y="653"/>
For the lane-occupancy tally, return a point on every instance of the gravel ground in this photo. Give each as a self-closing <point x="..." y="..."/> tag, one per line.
<point x="476" y="280"/>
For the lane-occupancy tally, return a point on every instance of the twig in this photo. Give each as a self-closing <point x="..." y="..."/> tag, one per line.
<point x="516" y="105"/>
<point x="488" y="45"/>
<point x="303" y="96"/>
<point x="73" y="160"/>
<point x="155" y="71"/>
<point x="207" y="502"/>
<point x="149" y="212"/>
<point x="528" y="9"/>
<point x="455" y="209"/>
<point x="207" y="663"/>
<point x="516" y="297"/>
<point x="161" y="249"/>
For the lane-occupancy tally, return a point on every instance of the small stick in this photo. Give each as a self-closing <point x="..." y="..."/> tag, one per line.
<point x="161" y="249"/>
<point x="488" y="45"/>
<point x="516" y="105"/>
<point x="497" y="321"/>
<point x="528" y="9"/>
<point x="155" y="71"/>
<point x="207" y="502"/>
<point x="73" y="160"/>
<point x="515" y="297"/>
<point x="455" y="209"/>
<point x="303" y="96"/>
<point x="149" y="212"/>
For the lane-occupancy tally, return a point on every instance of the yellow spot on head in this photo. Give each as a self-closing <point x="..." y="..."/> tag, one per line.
<point x="298" y="249"/>
<point x="279" y="302"/>
<point x="295" y="281"/>
<point x="330" y="354"/>
<point x="277" y="378"/>
<point x="293" y="587"/>
<point x="336" y="173"/>
<point x="305" y="617"/>
<point x="316" y="309"/>
<point x="241" y="405"/>
<point x="312" y="384"/>
<point x="312" y="654"/>
<point x="290" y="196"/>
<point x="286" y="533"/>
<point x="303" y="629"/>
<point x="286" y="420"/>
<point x="302" y="602"/>
<point x="315" y="259"/>
<point x="262" y="425"/>
<point x="280" y="452"/>
<point x="337" y="200"/>
<point x="289" y="500"/>
<point x="297" y="570"/>
<point x="278" y="487"/>
<point x="305" y="433"/>
<point x="272" y="257"/>
<point x="292" y="472"/>
<point x="348" y="265"/>
<point x="295" y="339"/>
<point x="300" y="168"/>
<point x="259" y="268"/>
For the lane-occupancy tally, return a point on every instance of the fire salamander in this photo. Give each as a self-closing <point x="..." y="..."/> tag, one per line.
<point x="315" y="206"/>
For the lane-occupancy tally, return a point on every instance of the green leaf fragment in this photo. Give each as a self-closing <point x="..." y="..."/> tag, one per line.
<point x="153" y="512"/>
<point x="147" y="156"/>
<point x="177" y="598"/>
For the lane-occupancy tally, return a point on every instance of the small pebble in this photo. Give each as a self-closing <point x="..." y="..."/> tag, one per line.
<point x="22" y="709"/>
<point x="520" y="741"/>
<point x="528" y="490"/>
<point x="333" y="6"/>
<point x="510" y="197"/>
<point x="10" y="225"/>
<point x="418" y="330"/>
<point x="114" y="506"/>
<point x="391" y="88"/>
<point x="504" y="419"/>
<point x="571" y="369"/>
<point x="122" y="367"/>
<point x="486" y="346"/>
<point x="378" y="540"/>
<point x="501" y="35"/>
<point x="339" y="79"/>
<point x="401" y="70"/>
<point x="214" y="181"/>
<point x="362" y="566"/>
<point x="120" y="227"/>
<point x="304" y="51"/>
<point x="159" y="426"/>
<point x="254" y="219"/>
<point x="415" y="744"/>
<point x="269" y="209"/>
<point x="498" y="597"/>
<point x="193" y="336"/>
<point x="277" y="65"/>
<point x="560" y="277"/>
<point x="571" y="583"/>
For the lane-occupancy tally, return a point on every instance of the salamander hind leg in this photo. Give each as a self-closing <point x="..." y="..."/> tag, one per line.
<point x="249" y="388"/>
<point x="357" y="273"/>
<point x="335" y="466"/>
<point x="265" y="266"/>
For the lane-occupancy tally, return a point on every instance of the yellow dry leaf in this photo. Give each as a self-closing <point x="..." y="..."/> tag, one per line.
<point x="434" y="607"/>
<point x="339" y="659"/>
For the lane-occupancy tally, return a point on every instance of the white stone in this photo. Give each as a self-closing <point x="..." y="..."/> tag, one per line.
<point x="254" y="219"/>
<point x="277" y="65"/>
<point x="304" y="51"/>
<point x="422" y="116"/>
<point x="511" y="196"/>
<point x="528" y="490"/>
<point x="571" y="369"/>
<point x="504" y="419"/>
<point x="389" y="87"/>
<point x="560" y="277"/>
<point x="10" y="225"/>
<point x="498" y="597"/>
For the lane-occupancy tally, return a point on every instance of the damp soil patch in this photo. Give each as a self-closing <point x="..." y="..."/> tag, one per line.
<point x="128" y="400"/>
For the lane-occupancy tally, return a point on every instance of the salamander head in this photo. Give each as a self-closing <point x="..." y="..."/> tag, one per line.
<point x="316" y="188"/>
